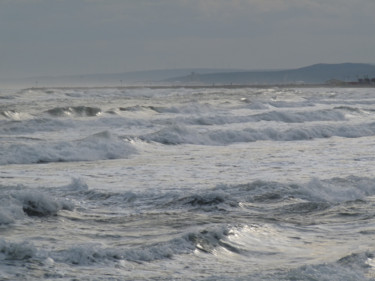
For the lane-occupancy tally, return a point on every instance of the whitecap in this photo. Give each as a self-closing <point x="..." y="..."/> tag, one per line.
<point x="101" y="146"/>
<point x="16" y="250"/>
<point x="17" y="204"/>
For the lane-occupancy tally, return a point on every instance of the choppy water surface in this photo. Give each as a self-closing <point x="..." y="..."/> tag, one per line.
<point x="187" y="184"/>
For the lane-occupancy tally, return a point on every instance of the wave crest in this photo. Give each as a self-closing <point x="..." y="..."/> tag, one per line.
<point x="75" y="111"/>
<point x="177" y="134"/>
<point x="16" y="251"/>
<point x="14" y="205"/>
<point x="101" y="146"/>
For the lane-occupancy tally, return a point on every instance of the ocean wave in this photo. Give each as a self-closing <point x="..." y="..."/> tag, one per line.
<point x="284" y="198"/>
<point x="206" y="240"/>
<point x="15" y="205"/>
<point x="207" y="201"/>
<point x="28" y="126"/>
<point x="355" y="266"/>
<point x="276" y="116"/>
<point x="16" y="250"/>
<point x="178" y="134"/>
<point x="290" y="104"/>
<point x="77" y="184"/>
<point x="39" y="204"/>
<point x="13" y="115"/>
<point x="300" y="117"/>
<point x="134" y="108"/>
<point x="75" y="111"/>
<point x="100" y="146"/>
<point x="110" y="197"/>
<point x="193" y="108"/>
<point x="352" y="267"/>
<point x="91" y="254"/>
<point x="350" y="109"/>
<point x="209" y="240"/>
<point x="336" y="190"/>
<point x="233" y="241"/>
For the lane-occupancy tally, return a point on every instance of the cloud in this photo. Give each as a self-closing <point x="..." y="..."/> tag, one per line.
<point x="86" y="36"/>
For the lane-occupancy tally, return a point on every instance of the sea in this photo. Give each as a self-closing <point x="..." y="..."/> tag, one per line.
<point x="187" y="183"/>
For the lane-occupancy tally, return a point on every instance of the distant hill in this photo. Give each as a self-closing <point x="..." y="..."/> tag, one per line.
<point x="314" y="74"/>
<point x="107" y="79"/>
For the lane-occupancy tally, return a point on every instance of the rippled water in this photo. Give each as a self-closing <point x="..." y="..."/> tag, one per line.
<point x="187" y="184"/>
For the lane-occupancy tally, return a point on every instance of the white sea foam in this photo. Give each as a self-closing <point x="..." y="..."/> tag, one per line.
<point x="39" y="204"/>
<point x="17" y="204"/>
<point x="340" y="190"/>
<point x="15" y="115"/>
<point x="77" y="185"/>
<point x="16" y="250"/>
<point x="10" y="210"/>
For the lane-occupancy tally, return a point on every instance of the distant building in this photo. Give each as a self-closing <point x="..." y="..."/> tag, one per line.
<point x="360" y="82"/>
<point x="366" y="81"/>
<point x="335" y="82"/>
<point x="193" y="77"/>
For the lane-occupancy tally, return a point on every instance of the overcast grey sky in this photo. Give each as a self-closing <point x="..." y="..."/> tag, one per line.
<point x="59" y="37"/>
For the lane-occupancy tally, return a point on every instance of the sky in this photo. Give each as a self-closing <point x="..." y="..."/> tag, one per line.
<point x="69" y="37"/>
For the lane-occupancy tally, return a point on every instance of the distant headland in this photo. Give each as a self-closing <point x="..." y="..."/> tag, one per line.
<point x="345" y="74"/>
<point x="338" y="75"/>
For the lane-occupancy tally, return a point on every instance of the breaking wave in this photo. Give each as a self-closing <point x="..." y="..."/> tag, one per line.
<point x="353" y="267"/>
<point x="14" y="115"/>
<point x="101" y="146"/>
<point x="356" y="266"/>
<point x="300" y="117"/>
<point x="75" y="111"/>
<point x="175" y="134"/>
<point x="276" y="116"/>
<point x="16" y="250"/>
<point x="336" y="190"/>
<point x="91" y="254"/>
<point x="299" y="198"/>
<point x="15" y="205"/>
<point x="34" y="125"/>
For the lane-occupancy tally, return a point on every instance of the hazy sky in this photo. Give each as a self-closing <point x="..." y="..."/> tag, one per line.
<point x="58" y="37"/>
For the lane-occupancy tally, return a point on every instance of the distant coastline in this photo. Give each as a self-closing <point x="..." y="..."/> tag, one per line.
<point x="225" y="86"/>
<point x="317" y="75"/>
